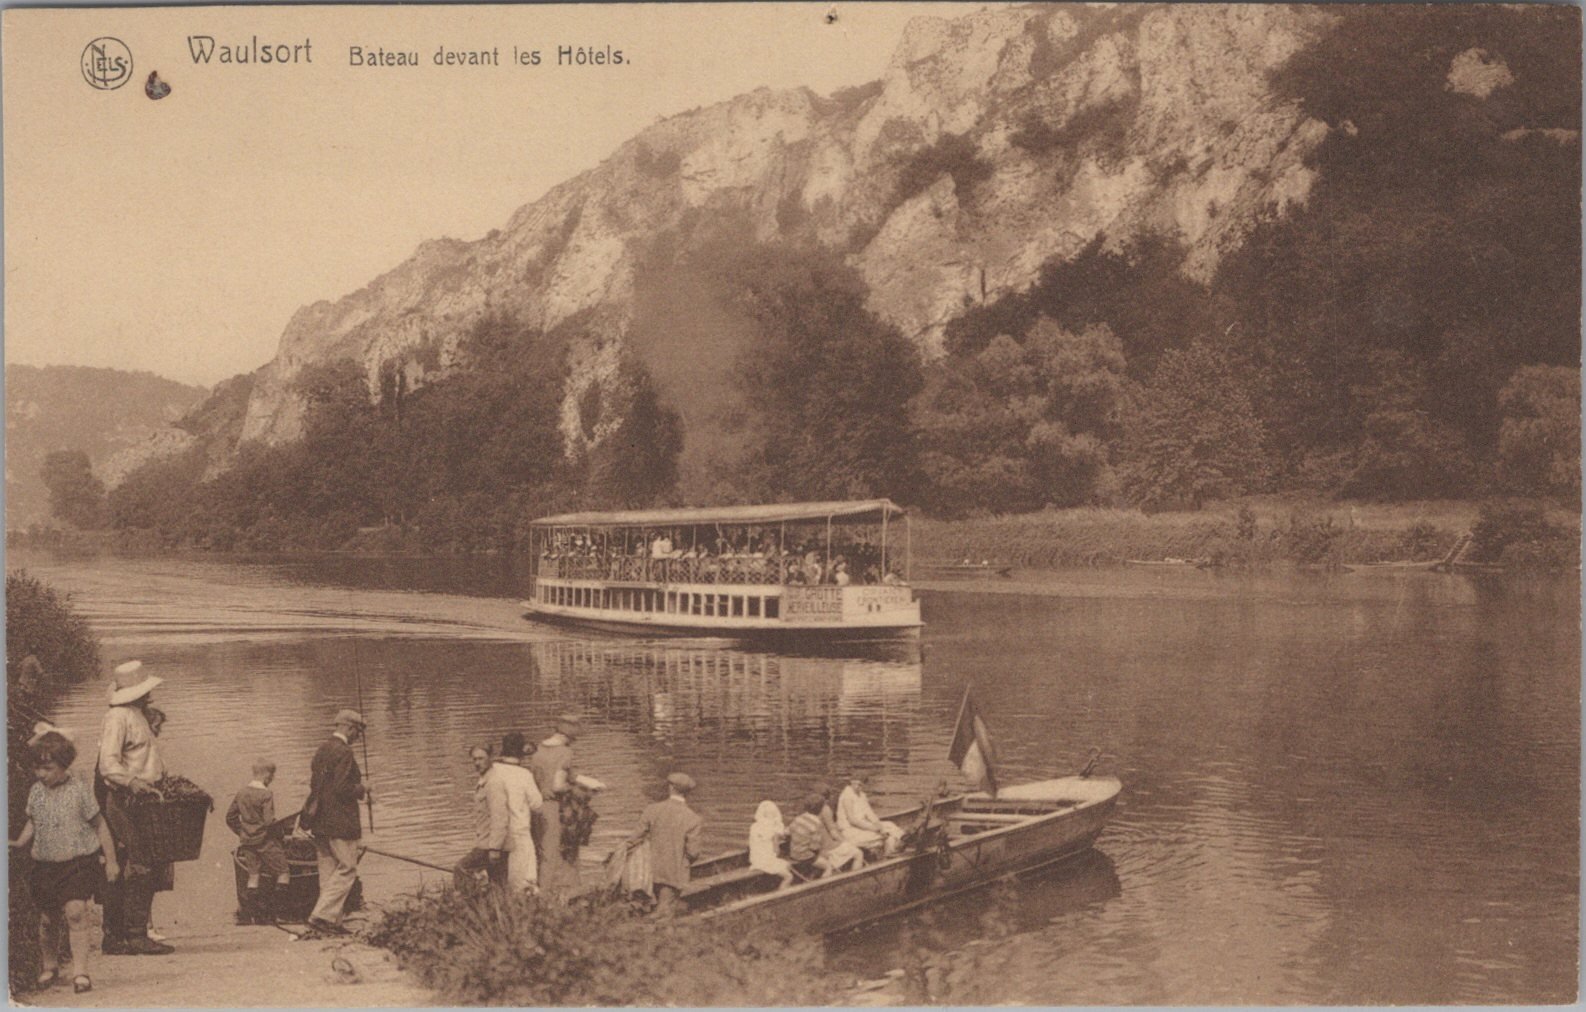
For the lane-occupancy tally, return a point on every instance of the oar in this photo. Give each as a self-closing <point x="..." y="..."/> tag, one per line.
<point x="409" y="860"/>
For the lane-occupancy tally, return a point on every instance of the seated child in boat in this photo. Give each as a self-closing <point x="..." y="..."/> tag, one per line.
<point x="810" y="841"/>
<point x="765" y="839"/>
<point x="259" y="849"/>
<point x="858" y="822"/>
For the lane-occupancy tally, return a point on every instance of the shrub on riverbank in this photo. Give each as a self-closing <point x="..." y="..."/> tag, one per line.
<point x="499" y="949"/>
<point x="41" y="623"/>
<point x="1518" y="533"/>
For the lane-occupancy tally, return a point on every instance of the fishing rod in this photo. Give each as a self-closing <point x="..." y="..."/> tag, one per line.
<point x="363" y="734"/>
<point x="409" y="860"/>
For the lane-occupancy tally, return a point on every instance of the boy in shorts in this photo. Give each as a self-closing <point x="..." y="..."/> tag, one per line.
<point x="259" y="849"/>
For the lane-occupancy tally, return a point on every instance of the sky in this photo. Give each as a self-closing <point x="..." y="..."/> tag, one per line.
<point x="179" y="235"/>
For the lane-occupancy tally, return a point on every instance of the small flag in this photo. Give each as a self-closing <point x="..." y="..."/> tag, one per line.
<point x="971" y="750"/>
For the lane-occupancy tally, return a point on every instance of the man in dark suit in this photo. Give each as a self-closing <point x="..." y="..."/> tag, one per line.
<point x="331" y="815"/>
<point x="673" y="830"/>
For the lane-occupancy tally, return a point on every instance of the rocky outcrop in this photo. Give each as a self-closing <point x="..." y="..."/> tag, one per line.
<point x="1084" y="122"/>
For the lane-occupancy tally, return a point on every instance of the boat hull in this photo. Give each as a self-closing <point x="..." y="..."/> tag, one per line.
<point x="793" y="636"/>
<point x="886" y="887"/>
<point x="759" y="612"/>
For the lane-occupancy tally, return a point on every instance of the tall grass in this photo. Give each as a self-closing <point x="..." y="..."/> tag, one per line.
<point x="494" y="948"/>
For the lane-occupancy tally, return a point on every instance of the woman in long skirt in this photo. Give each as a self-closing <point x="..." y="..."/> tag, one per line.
<point x="552" y="765"/>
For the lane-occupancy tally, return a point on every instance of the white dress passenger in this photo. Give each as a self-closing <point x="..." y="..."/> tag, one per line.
<point x="765" y="836"/>
<point x="859" y="823"/>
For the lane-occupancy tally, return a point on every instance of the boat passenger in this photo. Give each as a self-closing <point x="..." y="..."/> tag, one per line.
<point x="765" y="839"/>
<point x="859" y="823"/>
<point x="812" y="568"/>
<point x="661" y="547"/>
<point x="809" y="841"/>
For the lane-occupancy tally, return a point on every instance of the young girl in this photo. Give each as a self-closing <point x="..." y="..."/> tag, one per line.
<point x="68" y="835"/>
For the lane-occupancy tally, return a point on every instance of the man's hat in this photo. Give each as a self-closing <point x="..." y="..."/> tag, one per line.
<point x="682" y="781"/>
<point x="126" y="687"/>
<point x="512" y="744"/>
<point x="350" y="717"/>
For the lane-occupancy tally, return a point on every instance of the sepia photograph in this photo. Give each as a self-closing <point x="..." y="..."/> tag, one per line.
<point x="844" y="504"/>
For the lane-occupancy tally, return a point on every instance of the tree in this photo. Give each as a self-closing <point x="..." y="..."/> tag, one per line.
<point x="636" y="464"/>
<point x="1021" y="423"/>
<point x="76" y="496"/>
<point x="1406" y="452"/>
<point x="1539" y="436"/>
<point x="1193" y="433"/>
<point x="825" y="383"/>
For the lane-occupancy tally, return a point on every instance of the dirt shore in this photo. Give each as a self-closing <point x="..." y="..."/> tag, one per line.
<point x="244" y="967"/>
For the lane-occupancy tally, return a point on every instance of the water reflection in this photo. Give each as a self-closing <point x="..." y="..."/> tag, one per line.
<point x="1031" y="902"/>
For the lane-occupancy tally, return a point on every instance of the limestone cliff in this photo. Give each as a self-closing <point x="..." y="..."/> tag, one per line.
<point x="1084" y="122"/>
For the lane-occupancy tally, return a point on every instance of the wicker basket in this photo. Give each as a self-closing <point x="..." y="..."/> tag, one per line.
<point x="173" y="827"/>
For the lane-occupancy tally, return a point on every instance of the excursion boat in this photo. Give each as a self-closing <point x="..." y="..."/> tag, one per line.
<point x="817" y="570"/>
<point x="970" y="840"/>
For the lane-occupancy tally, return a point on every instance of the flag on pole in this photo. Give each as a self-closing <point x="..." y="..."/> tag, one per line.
<point x="971" y="750"/>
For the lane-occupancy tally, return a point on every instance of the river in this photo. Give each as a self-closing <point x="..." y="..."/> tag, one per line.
<point x="1352" y="788"/>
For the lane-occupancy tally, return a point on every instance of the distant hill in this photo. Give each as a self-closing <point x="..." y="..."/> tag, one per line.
<point x="100" y="411"/>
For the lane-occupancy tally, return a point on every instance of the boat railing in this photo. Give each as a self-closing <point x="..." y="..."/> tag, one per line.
<point x="726" y="569"/>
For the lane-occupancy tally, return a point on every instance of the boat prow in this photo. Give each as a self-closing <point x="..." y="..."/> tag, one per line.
<point x="1070" y="790"/>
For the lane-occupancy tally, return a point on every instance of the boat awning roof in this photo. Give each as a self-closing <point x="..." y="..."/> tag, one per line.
<point x="689" y="516"/>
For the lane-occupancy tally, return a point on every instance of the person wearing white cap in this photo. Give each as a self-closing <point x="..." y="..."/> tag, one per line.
<point x="129" y="764"/>
<point x="331" y="814"/>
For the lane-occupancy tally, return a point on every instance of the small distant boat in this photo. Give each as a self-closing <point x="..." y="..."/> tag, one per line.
<point x="966" y="568"/>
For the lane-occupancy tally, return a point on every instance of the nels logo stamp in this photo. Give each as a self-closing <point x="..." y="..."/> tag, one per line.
<point x="107" y="63"/>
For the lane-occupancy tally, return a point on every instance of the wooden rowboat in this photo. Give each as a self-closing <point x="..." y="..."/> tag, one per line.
<point x="966" y="569"/>
<point x="969" y="840"/>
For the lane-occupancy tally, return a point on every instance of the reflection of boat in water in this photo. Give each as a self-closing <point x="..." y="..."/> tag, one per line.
<point x="788" y="573"/>
<point x="960" y="843"/>
<point x="714" y="683"/>
<point x="1035" y="899"/>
